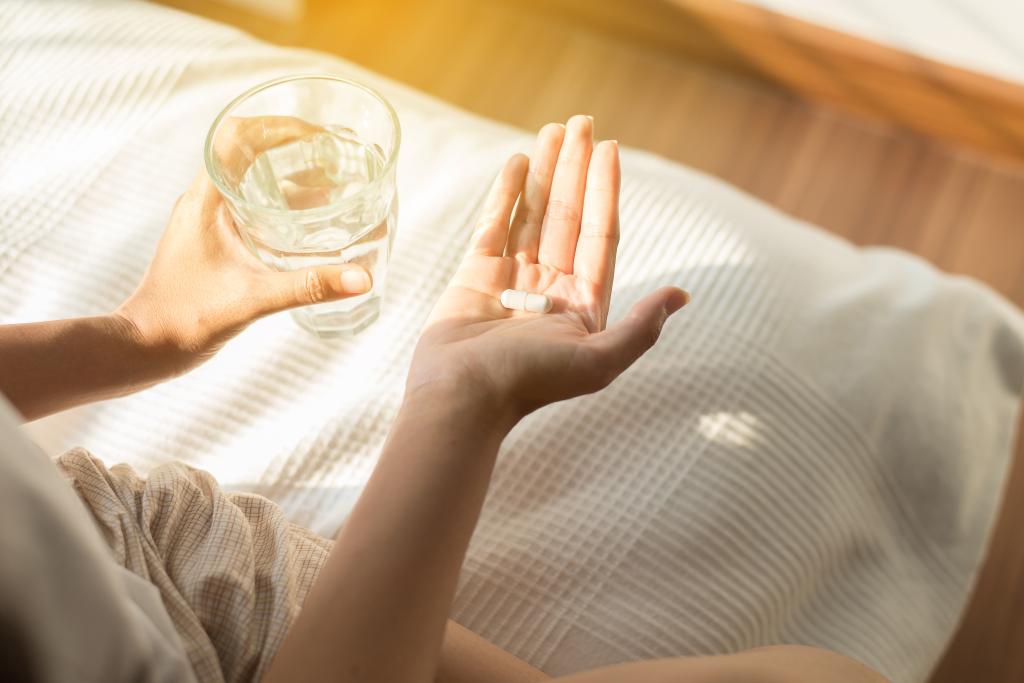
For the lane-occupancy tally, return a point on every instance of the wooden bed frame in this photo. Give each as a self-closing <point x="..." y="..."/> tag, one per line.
<point x="989" y="643"/>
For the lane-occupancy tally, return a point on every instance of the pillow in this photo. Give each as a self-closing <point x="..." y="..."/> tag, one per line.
<point x="812" y="454"/>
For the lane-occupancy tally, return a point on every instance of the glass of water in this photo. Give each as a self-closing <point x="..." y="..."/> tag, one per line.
<point x="307" y="167"/>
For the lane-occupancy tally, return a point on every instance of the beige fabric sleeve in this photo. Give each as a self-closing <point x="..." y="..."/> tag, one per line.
<point x="231" y="572"/>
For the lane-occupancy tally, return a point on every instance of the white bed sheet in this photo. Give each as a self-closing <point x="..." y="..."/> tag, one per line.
<point x="813" y="453"/>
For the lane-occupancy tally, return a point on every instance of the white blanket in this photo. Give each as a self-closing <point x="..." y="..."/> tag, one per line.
<point x="813" y="453"/>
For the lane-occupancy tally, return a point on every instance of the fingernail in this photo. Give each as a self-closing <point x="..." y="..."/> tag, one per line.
<point x="589" y="117"/>
<point x="676" y="300"/>
<point x="355" y="280"/>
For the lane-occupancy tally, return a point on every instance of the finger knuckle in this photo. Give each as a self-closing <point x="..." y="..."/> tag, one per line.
<point x="601" y="185"/>
<point x="599" y="229"/>
<point x="313" y="288"/>
<point x="488" y="220"/>
<point x="562" y="211"/>
<point x="653" y="333"/>
<point x="538" y="177"/>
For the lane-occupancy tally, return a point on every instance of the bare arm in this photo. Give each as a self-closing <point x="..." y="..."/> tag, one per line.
<point x="468" y="658"/>
<point x="378" y="610"/>
<point x="777" y="664"/>
<point x="49" y="366"/>
<point x="202" y="288"/>
<point x="386" y="589"/>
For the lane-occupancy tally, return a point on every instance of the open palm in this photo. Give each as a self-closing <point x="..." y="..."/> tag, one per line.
<point x="561" y="242"/>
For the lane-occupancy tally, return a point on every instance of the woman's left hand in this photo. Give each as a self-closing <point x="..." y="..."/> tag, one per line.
<point x="561" y="242"/>
<point x="204" y="285"/>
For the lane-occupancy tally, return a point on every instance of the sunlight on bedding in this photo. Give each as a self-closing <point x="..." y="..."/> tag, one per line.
<point x="262" y="427"/>
<point x="734" y="429"/>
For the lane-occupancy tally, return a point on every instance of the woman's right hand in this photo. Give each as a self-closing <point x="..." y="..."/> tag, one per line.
<point x="561" y="243"/>
<point x="204" y="285"/>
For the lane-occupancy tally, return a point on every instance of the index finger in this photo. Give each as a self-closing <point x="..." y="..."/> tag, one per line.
<point x="599" y="227"/>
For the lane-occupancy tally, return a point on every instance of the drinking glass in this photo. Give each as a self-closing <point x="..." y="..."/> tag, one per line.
<point x="307" y="167"/>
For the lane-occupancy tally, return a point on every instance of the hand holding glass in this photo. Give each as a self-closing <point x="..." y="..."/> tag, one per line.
<point x="307" y="167"/>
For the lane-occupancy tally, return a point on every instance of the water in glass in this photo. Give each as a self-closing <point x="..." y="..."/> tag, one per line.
<point x="329" y="212"/>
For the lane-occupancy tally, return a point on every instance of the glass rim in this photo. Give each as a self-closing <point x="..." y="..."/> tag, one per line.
<point x="215" y="176"/>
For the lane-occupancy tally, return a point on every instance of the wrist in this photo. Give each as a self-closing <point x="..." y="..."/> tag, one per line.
<point x="465" y="400"/>
<point x="160" y="359"/>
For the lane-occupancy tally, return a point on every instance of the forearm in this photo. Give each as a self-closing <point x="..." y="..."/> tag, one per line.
<point x="468" y="658"/>
<point x="775" y="664"/>
<point x="50" y="366"/>
<point x="378" y="610"/>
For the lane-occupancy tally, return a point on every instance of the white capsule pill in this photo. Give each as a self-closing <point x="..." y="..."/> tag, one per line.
<point x="518" y="300"/>
<point x="538" y="303"/>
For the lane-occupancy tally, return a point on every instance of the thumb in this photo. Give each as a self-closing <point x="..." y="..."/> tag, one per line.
<point x="623" y="343"/>
<point x="290" y="289"/>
